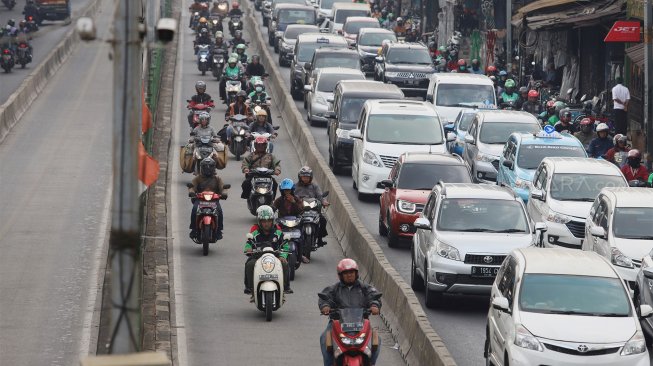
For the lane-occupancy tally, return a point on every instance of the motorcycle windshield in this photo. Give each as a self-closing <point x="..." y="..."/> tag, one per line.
<point x="351" y="320"/>
<point x="205" y="139"/>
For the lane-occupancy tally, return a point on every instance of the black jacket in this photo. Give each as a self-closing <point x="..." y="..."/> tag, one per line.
<point x="359" y="295"/>
<point x="255" y="70"/>
<point x="201" y="98"/>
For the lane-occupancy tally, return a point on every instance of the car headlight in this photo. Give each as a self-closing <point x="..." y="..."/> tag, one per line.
<point x="371" y="158"/>
<point x="343" y="134"/>
<point x="558" y="218"/>
<point x="522" y="183"/>
<point x="447" y="251"/>
<point x="406" y="206"/>
<point x="391" y="74"/>
<point x="486" y="157"/>
<point x="262" y="190"/>
<point x="524" y="339"/>
<point x="635" y="345"/>
<point x="620" y="259"/>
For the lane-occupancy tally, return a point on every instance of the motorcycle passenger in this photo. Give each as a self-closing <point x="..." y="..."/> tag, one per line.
<point x="235" y="10"/>
<point x="231" y="71"/>
<point x="260" y="158"/>
<point x="265" y="234"/>
<point x="602" y="143"/>
<point x="531" y="105"/>
<point x="287" y="204"/>
<point x="620" y="145"/>
<point x="349" y="292"/>
<point x="240" y="53"/>
<point x="509" y="95"/>
<point x="586" y="133"/>
<point x="306" y="188"/>
<point x="255" y="68"/>
<point x="565" y="122"/>
<point x="200" y="98"/>
<point x="634" y="170"/>
<point x="206" y="181"/>
<point x="462" y="66"/>
<point x="476" y="67"/>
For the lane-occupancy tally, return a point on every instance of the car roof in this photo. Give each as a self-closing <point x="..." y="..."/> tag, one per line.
<point x="339" y="71"/>
<point x="428" y="158"/>
<point x="369" y="88"/>
<point x="375" y="30"/>
<point x="408" y="45"/>
<point x="356" y="6"/>
<point x="402" y="106"/>
<point x="292" y="6"/>
<point x="498" y="115"/>
<point x="336" y="50"/>
<point x="361" y="19"/>
<point x="455" y="78"/>
<point x="629" y="196"/>
<point x="563" y="261"/>
<point x="532" y="139"/>
<point x="483" y="191"/>
<point x="306" y="26"/>
<point x="586" y="165"/>
<point x="307" y="37"/>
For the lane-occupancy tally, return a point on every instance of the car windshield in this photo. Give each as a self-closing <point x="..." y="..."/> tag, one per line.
<point x="404" y="130"/>
<point x="424" y="176"/>
<point x="277" y="2"/>
<point x="355" y="27"/>
<point x="350" y="109"/>
<point x="409" y="56"/>
<point x="633" y="223"/>
<point x="327" y="82"/>
<point x="328" y="4"/>
<point x="465" y="121"/>
<point x="306" y="50"/>
<point x="376" y="39"/>
<point x="343" y="14"/>
<point x="458" y="95"/>
<point x="482" y="215"/>
<point x="573" y="295"/>
<point x="348" y="61"/>
<point x="292" y="16"/>
<point x="292" y="33"/>
<point x="530" y="156"/>
<point x="498" y="132"/>
<point x="582" y="187"/>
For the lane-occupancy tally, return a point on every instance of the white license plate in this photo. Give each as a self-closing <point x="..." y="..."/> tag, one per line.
<point x="208" y="204"/>
<point x="268" y="277"/>
<point x="293" y="234"/>
<point x="484" y="271"/>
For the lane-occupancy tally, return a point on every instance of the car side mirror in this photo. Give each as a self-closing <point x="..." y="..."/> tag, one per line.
<point x="356" y="134"/>
<point x="308" y="88"/>
<point x="598" y="232"/>
<point x="469" y="139"/>
<point x="538" y="194"/>
<point x="429" y="98"/>
<point x="340" y="31"/>
<point x="378" y="59"/>
<point x="648" y="272"/>
<point x="645" y="311"/>
<point x="386" y="183"/>
<point x="451" y="137"/>
<point x="307" y="65"/>
<point x="449" y="127"/>
<point x="508" y="164"/>
<point x="330" y="114"/>
<point x="541" y="226"/>
<point x="422" y="223"/>
<point x="501" y="303"/>
<point x="226" y="186"/>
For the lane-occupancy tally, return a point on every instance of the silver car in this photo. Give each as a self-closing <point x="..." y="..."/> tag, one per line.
<point x="320" y="90"/>
<point x="285" y="47"/>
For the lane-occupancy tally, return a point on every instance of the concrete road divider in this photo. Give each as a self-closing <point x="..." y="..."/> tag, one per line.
<point x="418" y="342"/>
<point x="18" y="103"/>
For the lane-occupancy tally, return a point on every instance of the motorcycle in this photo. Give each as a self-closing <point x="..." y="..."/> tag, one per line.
<point x="239" y="135"/>
<point x="23" y="56"/>
<point x="219" y="55"/>
<point x="262" y="192"/>
<point x="31" y="24"/>
<point x="203" y="149"/>
<point x="194" y="20"/>
<point x="257" y="104"/>
<point x="268" y="281"/>
<point x="203" y="58"/>
<point x="215" y="22"/>
<point x="508" y="106"/>
<point x="310" y="223"/>
<point x="198" y="108"/>
<point x="235" y="24"/>
<point x="223" y="9"/>
<point x="268" y="136"/>
<point x="351" y="339"/>
<point x="9" y="3"/>
<point x="292" y="234"/>
<point x="232" y="86"/>
<point x="7" y="61"/>
<point x="207" y="216"/>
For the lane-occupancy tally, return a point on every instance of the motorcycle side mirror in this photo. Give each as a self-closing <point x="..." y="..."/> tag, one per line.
<point x="377" y="296"/>
<point x="188" y="100"/>
<point x="323" y="297"/>
<point x="226" y="186"/>
<point x="275" y="128"/>
<point x="189" y="185"/>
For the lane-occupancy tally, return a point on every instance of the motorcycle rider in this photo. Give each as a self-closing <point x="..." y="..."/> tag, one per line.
<point x="634" y="169"/>
<point x="349" y="292"/>
<point x="306" y="188"/>
<point x="400" y="27"/>
<point x="265" y="234"/>
<point x="476" y="67"/>
<point x="237" y="107"/>
<point x="620" y="145"/>
<point x="203" y="129"/>
<point x="231" y="70"/>
<point x="220" y="43"/>
<point x="32" y="10"/>
<point x="287" y="204"/>
<point x="260" y="158"/>
<point x="531" y="105"/>
<point x="389" y="22"/>
<point x="491" y="71"/>
<point x="602" y="143"/>
<point x="586" y="132"/>
<point x="240" y="53"/>
<point x="202" y="23"/>
<point x="238" y="39"/>
<point x="258" y="94"/>
<point x="235" y="10"/>
<point x="255" y="68"/>
<point x="200" y="98"/>
<point x="462" y="66"/>
<point x="509" y="95"/>
<point x="261" y="125"/>
<point x="208" y="180"/>
<point x="565" y="122"/>
<point x="549" y="116"/>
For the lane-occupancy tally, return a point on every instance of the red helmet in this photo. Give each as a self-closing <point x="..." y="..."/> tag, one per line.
<point x="533" y="93"/>
<point x="347" y="264"/>
<point x="634" y="153"/>
<point x="234" y="5"/>
<point x="585" y="122"/>
<point x="261" y="140"/>
<point x="491" y="69"/>
<point x="550" y="104"/>
<point x="462" y="62"/>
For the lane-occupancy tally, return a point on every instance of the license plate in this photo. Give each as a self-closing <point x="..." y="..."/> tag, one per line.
<point x="293" y="234"/>
<point x="484" y="271"/>
<point x="208" y="204"/>
<point x="268" y="277"/>
<point x="261" y="180"/>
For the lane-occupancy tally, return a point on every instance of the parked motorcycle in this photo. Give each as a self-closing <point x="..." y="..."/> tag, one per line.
<point x="219" y="56"/>
<point x="262" y="192"/>
<point x="235" y="24"/>
<point x="238" y="145"/>
<point x="232" y="86"/>
<point x="7" y="61"/>
<point x="23" y="56"/>
<point x="198" y="108"/>
<point x="310" y="219"/>
<point x="9" y="3"/>
<point x="291" y="233"/>
<point x="207" y="216"/>
<point x="268" y="281"/>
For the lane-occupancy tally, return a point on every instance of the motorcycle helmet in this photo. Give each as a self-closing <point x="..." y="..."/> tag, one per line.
<point x="346" y="265"/>
<point x="264" y="213"/>
<point x="232" y="61"/>
<point x="462" y="64"/>
<point x="391" y="16"/>
<point x="602" y="127"/>
<point x="22" y="24"/>
<point x="238" y="33"/>
<point x="305" y="171"/>
<point x="494" y="79"/>
<point x="476" y="63"/>
<point x="242" y="94"/>
<point x="550" y="106"/>
<point x="204" y="32"/>
<point x="260" y="143"/>
<point x="619" y="138"/>
<point x="241" y="47"/>
<point x="261" y="112"/>
<point x="207" y="167"/>
<point x="203" y="20"/>
<point x="533" y="94"/>
<point x="384" y="13"/>
<point x="509" y="85"/>
<point x="219" y="34"/>
<point x="235" y="5"/>
<point x="11" y="23"/>
<point x="200" y="87"/>
<point x="287" y="184"/>
<point x="491" y="69"/>
<point x="259" y="87"/>
<point x="256" y="58"/>
<point x="634" y="158"/>
<point x="586" y="125"/>
<point x="204" y="117"/>
<point x="503" y="73"/>
<point x="400" y="21"/>
<point x="560" y="106"/>
<point x="565" y="116"/>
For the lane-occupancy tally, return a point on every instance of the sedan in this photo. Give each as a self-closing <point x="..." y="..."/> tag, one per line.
<point x="320" y="90"/>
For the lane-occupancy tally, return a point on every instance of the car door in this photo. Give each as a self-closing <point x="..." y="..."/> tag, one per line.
<point x="421" y="235"/>
<point x="469" y="150"/>
<point x="502" y="324"/>
<point x="359" y="146"/>
<point x="389" y="193"/>
<point x="536" y="208"/>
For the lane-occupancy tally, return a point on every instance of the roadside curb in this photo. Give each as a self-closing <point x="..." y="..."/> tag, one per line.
<point x="418" y="343"/>
<point x="19" y="102"/>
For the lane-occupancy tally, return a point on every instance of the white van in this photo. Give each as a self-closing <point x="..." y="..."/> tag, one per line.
<point x="387" y="129"/>
<point x="451" y="93"/>
<point x="341" y="11"/>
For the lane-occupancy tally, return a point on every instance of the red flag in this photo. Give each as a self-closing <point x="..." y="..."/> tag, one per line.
<point x="146" y="122"/>
<point x="148" y="167"/>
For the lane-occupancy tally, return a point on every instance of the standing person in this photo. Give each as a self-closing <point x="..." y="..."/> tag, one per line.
<point x="621" y="98"/>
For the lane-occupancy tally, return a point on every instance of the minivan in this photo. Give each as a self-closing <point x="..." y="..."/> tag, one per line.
<point x="452" y="92"/>
<point x="286" y="14"/>
<point x="305" y="47"/>
<point x="341" y="11"/>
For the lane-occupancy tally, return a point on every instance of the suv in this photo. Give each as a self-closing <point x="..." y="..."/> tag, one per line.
<point x="354" y="24"/>
<point x="268" y="7"/>
<point x="408" y="186"/>
<point x="387" y="129"/>
<point x="463" y="235"/>
<point x="287" y="14"/>
<point x="563" y="192"/>
<point x="330" y="57"/>
<point x="451" y="92"/>
<point x="305" y="47"/>
<point x="320" y="90"/>
<point x="368" y="42"/>
<point x="486" y="137"/>
<point x="286" y="44"/>
<point x="407" y="65"/>
<point x="619" y="227"/>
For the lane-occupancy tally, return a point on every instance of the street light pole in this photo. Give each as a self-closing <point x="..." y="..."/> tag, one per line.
<point x="648" y="78"/>
<point x="509" y="35"/>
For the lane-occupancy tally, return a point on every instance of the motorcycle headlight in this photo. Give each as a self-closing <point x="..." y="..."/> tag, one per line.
<point x="208" y="197"/>
<point x="620" y="259"/>
<point x="522" y="183"/>
<point x="558" y="218"/>
<point x="635" y="346"/>
<point x="524" y="339"/>
<point x="242" y="132"/>
<point x="268" y="264"/>
<point x="312" y="204"/>
<point x="485" y="157"/>
<point x="391" y="74"/>
<point x="371" y="158"/>
<point x="447" y="251"/>
<point x="406" y="206"/>
<point x="262" y="190"/>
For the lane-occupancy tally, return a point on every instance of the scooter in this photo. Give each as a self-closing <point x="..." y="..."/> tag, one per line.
<point x="198" y="108"/>
<point x="262" y="192"/>
<point x="203" y="58"/>
<point x="268" y="136"/>
<point x="7" y="60"/>
<point x="240" y="133"/>
<point x="235" y="24"/>
<point x="23" y="56"/>
<point x="310" y="219"/>
<point x="268" y="281"/>
<point x="203" y="149"/>
<point x="291" y="233"/>
<point x="207" y="216"/>
<point x="232" y="86"/>
<point x="218" y="62"/>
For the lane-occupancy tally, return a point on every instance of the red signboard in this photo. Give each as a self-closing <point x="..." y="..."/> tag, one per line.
<point x="624" y="31"/>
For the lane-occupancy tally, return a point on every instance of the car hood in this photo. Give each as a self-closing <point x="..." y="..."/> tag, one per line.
<point x="413" y="195"/>
<point x="633" y="248"/>
<point x="485" y="243"/>
<point x="410" y="67"/>
<point x="289" y="41"/>
<point x="585" y="329"/>
<point x="325" y="95"/>
<point x="369" y="49"/>
<point x="571" y="208"/>
<point x="398" y="149"/>
<point x="491" y="149"/>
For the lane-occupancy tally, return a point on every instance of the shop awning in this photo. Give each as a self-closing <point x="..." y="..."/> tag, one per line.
<point x="636" y="54"/>
<point x="576" y="14"/>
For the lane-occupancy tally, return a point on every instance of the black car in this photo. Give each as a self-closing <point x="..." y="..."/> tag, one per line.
<point x="368" y="43"/>
<point x="407" y="65"/>
<point x="331" y="57"/>
<point x="286" y="44"/>
<point x="284" y="15"/>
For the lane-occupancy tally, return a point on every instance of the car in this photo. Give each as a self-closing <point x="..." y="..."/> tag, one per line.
<point x="643" y="294"/>
<point x="348" y="99"/>
<point x="324" y="8"/>
<point x="286" y="14"/>
<point x="407" y="65"/>
<point x="459" y="127"/>
<point x="619" y="227"/>
<point x="486" y="137"/>
<point x="387" y="129"/>
<point x="523" y="153"/>
<point x="562" y="307"/>
<point x="463" y="235"/>
<point x="368" y="42"/>
<point x="305" y="47"/>
<point x="286" y="44"/>
<point x="562" y="195"/>
<point x="330" y="57"/>
<point x="321" y="88"/>
<point x="341" y="11"/>
<point x="353" y="25"/>
<point x="452" y="92"/>
<point x="268" y="7"/>
<point x="408" y="186"/>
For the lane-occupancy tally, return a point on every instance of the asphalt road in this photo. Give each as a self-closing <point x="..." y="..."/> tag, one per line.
<point x="50" y="33"/>
<point x="214" y="319"/>
<point x="55" y="175"/>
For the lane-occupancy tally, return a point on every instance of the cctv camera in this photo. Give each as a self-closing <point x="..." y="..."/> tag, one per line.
<point x="86" y="28"/>
<point x="165" y="29"/>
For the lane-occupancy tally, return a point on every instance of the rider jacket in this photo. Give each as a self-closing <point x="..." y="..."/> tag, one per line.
<point x="635" y="174"/>
<point x="585" y="138"/>
<point x="287" y="208"/>
<point x="358" y="295"/>
<point x="237" y="108"/>
<point x="235" y="12"/>
<point x="599" y="146"/>
<point x="261" y="160"/>
<point x="232" y="71"/>
<point x="310" y="190"/>
<point x="255" y="69"/>
<point x="258" y="128"/>
<point x="507" y="98"/>
<point x="533" y="108"/>
<point x="201" y="98"/>
<point x="272" y="239"/>
<point x="202" y="183"/>
<point x="261" y="97"/>
<point x="200" y="131"/>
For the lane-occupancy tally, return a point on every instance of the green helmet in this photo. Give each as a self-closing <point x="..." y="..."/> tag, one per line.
<point x="442" y="49"/>
<point x="234" y="55"/>
<point x="232" y="60"/>
<point x="241" y="46"/>
<point x="264" y="212"/>
<point x="510" y="83"/>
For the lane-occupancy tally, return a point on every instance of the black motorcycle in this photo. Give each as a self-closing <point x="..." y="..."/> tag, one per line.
<point x="23" y="55"/>
<point x="262" y="192"/>
<point x="203" y="149"/>
<point x="239" y="135"/>
<point x="235" y="24"/>
<point x="219" y="59"/>
<point x="206" y="221"/>
<point x="290" y="227"/>
<point x="310" y="218"/>
<point x="9" y="3"/>
<point x="7" y="61"/>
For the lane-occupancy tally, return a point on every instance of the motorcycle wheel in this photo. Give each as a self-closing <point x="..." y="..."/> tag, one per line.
<point x="292" y="262"/>
<point x="269" y="298"/>
<point x="22" y="65"/>
<point x="206" y="234"/>
<point x="203" y="72"/>
<point x="308" y="246"/>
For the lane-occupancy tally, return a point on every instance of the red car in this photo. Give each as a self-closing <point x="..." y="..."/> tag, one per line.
<point x="411" y="180"/>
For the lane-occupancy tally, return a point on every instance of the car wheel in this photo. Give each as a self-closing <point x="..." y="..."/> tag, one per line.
<point x="383" y="230"/>
<point x="393" y="238"/>
<point x="433" y="299"/>
<point x="416" y="281"/>
<point x="488" y="351"/>
<point x="353" y="184"/>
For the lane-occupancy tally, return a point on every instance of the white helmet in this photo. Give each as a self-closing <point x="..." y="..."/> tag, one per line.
<point x="602" y="127"/>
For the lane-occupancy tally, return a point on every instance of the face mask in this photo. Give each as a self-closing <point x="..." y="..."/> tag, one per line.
<point x="259" y="89"/>
<point x="634" y="162"/>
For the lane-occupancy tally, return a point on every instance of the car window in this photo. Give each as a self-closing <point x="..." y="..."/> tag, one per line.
<point x="404" y="129"/>
<point x="346" y="60"/>
<point x="582" y="187"/>
<point x="603" y="216"/>
<point x="409" y="56"/>
<point x="362" y="121"/>
<point x="297" y="16"/>
<point x="594" y="209"/>
<point x="375" y="39"/>
<point x="394" y="172"/>
<point x="465" y="121"/>
<point x="473" y="127"/>
<point x="350" y="109"/>
<point x="423" y="176"/>
<point x="633" y="223"/>
<point x="531" y="155"/>
<point x="507" y="150"/>
<point x="328" y="82"/>
<point x="453" y="95"/>
<point x="498" y="132"/>
<point x="354" y="27"/>
<point x="429" y="209"/>
<point x="507" y="280"/>
<point x="342" y="14"/>
<point x="540" y="181"/>
<point x="482" y="215"/>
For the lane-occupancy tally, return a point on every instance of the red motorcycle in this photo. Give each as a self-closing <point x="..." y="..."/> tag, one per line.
<point x="206" y="220"/>
<point x="196" y="109"/>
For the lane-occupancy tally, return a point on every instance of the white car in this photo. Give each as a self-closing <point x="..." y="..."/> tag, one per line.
<point x="387" y="129"/>
<point x="321" y="88"/>
<point x="562" y="307"/>
<point x="620" y="228"/>
<point x="562" y="193"/>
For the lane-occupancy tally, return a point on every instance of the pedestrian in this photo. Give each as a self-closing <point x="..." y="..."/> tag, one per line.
<point x="620" y="97"/>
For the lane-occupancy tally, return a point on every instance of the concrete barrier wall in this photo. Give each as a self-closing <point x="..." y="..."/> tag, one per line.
<point x="18" y="103"/>
<point x="418" y="342"/>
